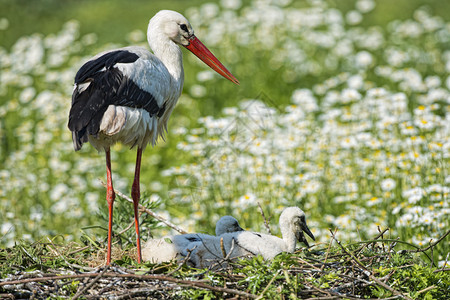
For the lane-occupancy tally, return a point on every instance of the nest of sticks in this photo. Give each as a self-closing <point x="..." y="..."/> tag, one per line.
<point x="338" y="271"/>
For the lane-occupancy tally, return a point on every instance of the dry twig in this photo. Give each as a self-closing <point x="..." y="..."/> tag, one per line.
<point x="181" y="282"/>
<point x="148" y="211"/>
<point x="89" y="285"/>
<point x="368" y="273"/>
<point x="266" y="223"/>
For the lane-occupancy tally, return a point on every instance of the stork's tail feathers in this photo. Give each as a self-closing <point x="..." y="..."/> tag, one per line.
<point x="79" y="138"/>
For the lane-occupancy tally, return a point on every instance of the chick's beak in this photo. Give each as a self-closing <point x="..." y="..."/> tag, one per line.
<point x="307" y="231"/>
<point x="301" y="237"/>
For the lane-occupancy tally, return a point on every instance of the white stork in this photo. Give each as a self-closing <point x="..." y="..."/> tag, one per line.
<point x="175" y="246"/>
<point x="127" y="95"/>
<point x="209" y="251"/>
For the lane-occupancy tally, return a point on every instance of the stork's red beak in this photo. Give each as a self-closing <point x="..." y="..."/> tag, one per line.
<point x="200" y="50"/>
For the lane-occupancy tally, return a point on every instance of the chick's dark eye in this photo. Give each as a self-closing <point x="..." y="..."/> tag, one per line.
<point x="184" y="27"/>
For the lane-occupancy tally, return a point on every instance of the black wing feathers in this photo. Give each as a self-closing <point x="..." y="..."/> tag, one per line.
<point x="133" y="96"/>
<point x="107" y="86"/>
<point x="107" y="61"/>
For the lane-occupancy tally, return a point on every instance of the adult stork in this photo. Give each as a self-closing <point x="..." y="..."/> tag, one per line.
<point x="127" y="95"/>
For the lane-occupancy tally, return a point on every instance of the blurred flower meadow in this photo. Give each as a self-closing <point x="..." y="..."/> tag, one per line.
<point x="350" y="122"/>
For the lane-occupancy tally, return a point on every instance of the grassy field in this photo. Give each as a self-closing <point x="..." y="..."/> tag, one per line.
<point x="343" y="110"/>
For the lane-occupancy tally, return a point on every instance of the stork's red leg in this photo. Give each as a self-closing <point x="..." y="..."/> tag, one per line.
<point x="110" y="196"/>
<point x="136" y="195"/>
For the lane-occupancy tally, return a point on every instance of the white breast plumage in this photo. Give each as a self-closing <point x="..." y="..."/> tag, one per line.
<point x="130" y="126"/>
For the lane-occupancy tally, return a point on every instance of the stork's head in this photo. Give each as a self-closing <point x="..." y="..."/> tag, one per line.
<point x="176" y="27"/>
<point x="294" y="220"/>
<point x="173" y="25"/>
<point x="227" y="224"/>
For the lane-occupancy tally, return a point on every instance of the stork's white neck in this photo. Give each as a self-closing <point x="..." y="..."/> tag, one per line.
<point x="288" y="235"/>
<point x="170" y="54"/>
<point x="290" y="240"/>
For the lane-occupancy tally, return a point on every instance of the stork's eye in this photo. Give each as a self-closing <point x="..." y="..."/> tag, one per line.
<point x="184" y="27"/>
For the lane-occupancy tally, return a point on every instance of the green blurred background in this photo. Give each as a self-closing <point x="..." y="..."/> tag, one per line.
<point x="112" y="20"/>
